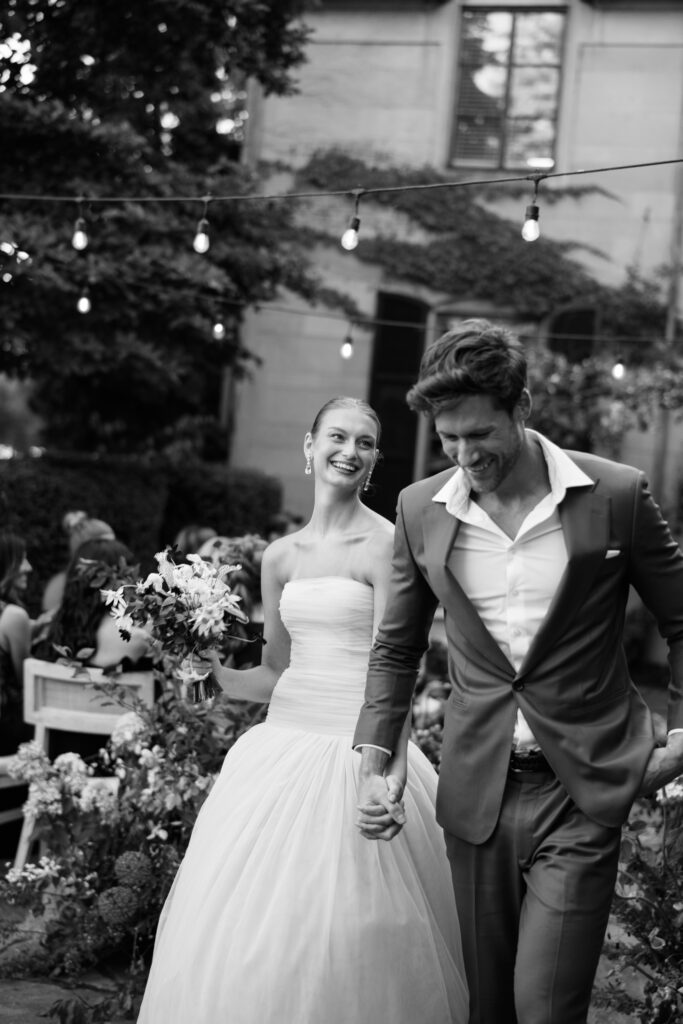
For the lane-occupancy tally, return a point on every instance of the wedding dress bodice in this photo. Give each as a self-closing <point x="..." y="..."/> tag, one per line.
<point x="329" y="620"/>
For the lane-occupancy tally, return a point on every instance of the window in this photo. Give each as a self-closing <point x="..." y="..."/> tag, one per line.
<point x="509" y="84"/>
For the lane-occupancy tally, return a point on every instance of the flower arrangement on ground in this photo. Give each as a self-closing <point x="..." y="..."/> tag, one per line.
<point x="648" y="905"/>
<point x="184" y="607"/>
<point x="110" y="846"/>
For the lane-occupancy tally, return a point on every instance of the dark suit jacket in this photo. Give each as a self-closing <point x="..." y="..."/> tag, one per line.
<point x="573" y="686"/>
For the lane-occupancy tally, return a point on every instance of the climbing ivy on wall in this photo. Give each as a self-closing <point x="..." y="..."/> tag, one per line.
<point x="471" y="251"/>
<point x="467" y="250"/>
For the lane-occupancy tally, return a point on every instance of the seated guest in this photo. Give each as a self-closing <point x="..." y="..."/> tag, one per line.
<point x="79" y="527"/>
<point x="84" y="623"/>
<point x="190" y="539"/>
<point x="15" y="641"/>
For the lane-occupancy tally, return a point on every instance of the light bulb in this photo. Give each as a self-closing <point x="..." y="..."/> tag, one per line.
<point x="80" y="237"/>
<point x="201" y="239"/>
<point x="6" y="277"/>
<point x="349" y="239"/>
<point x="218" y="330"/>
<point x="346" y="351"/>
<point x="531" y="229"/>
<point x="84" y="305"/>
<point x="619" y="371"/>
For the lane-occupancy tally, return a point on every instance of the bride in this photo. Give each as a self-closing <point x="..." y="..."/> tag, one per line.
<point x="282" y="912"/>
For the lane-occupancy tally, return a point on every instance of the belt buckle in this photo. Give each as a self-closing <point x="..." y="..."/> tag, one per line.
<point x="533" y="760"/>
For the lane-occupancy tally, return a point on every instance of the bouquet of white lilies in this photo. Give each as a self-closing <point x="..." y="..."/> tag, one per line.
<point x="183" y="608"/>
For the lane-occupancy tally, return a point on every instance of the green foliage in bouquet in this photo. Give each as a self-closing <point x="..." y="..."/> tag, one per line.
<point x="111" y="844"/>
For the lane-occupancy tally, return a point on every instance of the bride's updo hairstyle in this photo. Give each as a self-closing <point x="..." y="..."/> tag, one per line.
<point x="344" y="402"/>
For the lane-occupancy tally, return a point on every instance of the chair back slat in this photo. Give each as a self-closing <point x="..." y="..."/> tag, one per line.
<point x="62" y="697"/>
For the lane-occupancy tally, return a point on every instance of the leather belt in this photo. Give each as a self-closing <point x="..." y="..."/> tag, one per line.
<point x="528" y="761"/>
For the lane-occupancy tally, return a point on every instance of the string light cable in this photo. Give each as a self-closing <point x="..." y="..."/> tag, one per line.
<point x="202" y="240"/>
<point x="368" y="322"/>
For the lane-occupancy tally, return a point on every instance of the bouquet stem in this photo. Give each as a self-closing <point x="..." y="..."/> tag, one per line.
<point x="203" y="689"/>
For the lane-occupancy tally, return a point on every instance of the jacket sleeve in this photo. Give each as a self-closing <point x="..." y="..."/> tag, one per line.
<point x="657" y="575"/>
<point x="402" y="638"/>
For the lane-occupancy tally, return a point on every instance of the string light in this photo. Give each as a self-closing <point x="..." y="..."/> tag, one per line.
<point x="349" y="239"/>
<point x="346" y="350"/>
<point x="531" y="229"/>
<point x="218" y="330"/>
<point x="12" y="251"/>
<point x="619" y="370"/>
<point x="79" y="239"/>
<point x="202" y="241"/>
<point x="84" y="305"/>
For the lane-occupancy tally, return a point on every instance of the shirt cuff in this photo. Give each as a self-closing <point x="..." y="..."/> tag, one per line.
<point x="384" y="749"/>
<point x="672" y="731"/>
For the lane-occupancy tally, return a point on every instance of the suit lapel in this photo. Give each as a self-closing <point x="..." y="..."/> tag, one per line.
<point x="585" y="524"/>
<point x="440" y="529"/>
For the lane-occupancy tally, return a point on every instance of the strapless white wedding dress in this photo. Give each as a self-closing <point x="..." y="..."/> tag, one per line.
<point x="281" y="912"/>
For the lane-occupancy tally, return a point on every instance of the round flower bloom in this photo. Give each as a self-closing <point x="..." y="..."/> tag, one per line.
<point x="72" y="768"/>
<point x="118" y="905"/>
<point x="30" y="762"/>
<point x="133" y="869"/>
<point x="128" y="728"/>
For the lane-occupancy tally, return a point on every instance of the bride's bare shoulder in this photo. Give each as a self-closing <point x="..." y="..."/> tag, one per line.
<point x="379" y="527"/>
<point x="280" y="556"/>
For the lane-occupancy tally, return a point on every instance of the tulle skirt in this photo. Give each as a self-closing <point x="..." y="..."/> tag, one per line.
<point x="282" y="913"/>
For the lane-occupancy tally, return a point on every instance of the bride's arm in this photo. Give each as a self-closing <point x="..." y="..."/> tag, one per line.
<point x="257" y="684"/>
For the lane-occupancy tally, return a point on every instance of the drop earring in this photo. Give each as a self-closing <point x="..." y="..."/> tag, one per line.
<point x="308" y="469"/>
<point x="366" y="485"/>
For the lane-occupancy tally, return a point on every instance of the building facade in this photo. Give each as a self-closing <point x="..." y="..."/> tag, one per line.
<point x="478" y="91"/>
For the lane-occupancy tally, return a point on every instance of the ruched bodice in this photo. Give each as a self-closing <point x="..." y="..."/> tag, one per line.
<point x="329" y="620"/>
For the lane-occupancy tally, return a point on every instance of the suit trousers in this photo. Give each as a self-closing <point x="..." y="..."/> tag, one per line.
<point x="533" y="903"/>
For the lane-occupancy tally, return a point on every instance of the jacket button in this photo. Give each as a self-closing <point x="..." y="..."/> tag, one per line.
<point x="518" y="686"/>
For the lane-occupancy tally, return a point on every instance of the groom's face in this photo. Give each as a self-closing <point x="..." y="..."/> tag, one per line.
<point x="484" y="440"/>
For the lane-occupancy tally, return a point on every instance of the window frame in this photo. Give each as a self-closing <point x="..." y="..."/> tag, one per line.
<point x="513" y="9"/>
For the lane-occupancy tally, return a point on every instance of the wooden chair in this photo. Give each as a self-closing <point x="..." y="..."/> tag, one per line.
<point x="62" y="697"/>
<point x="8" y="782"/>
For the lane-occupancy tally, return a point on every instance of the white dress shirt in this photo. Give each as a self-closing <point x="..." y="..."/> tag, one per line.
<point x="511" y="582"/>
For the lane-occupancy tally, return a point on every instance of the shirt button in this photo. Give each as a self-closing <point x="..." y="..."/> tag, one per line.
<point x="518" y="685"/>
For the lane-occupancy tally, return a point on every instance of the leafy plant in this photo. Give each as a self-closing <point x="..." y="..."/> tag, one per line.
<point x="649" y="903"/>
<point x="113" y="841"/>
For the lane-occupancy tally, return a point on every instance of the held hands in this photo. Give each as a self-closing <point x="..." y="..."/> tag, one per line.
<point x="381" y="814"/>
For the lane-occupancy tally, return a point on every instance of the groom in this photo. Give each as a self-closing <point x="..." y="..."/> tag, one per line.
<point x="531" y="551"/>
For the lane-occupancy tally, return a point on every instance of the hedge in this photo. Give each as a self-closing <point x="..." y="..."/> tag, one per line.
<point x="146" y="503"/>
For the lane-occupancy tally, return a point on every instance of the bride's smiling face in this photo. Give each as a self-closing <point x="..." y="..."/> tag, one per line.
<point x="344" y="448"/>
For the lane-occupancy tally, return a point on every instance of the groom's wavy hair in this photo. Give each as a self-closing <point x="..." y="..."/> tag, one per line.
<point x="475" y="358"/>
